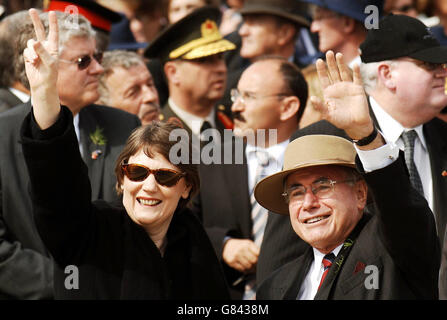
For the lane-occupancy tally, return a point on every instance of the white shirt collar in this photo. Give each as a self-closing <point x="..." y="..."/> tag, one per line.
<point x="194" y="122"/>
<point x="276" y="151"/>
<point x="19" y="94"/>
<point x="318" y="255"/>
<point x="390" y="127"/>
<point x="356" y="60"/>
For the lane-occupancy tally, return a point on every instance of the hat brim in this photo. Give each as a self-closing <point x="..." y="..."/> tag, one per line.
<point x="209" y="49"/>
<point x="432" y="55"/>
<point x="128" y="46"/>
<point x="262" y="9"/>
<point x="268" y="191"/>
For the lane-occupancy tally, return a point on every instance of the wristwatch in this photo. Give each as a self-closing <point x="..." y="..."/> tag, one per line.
<point x="367" y="140"/>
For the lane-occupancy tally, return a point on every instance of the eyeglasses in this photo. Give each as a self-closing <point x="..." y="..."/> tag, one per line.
<point x="322" y="189"/>
<point x="84" y="61"/>
<point x="245" y="96"/>
<point x="164" y="177"/>
<point x="429" y="66"/>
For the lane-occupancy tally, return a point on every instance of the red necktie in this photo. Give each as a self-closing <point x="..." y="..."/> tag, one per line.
<point x="327" y="263"/>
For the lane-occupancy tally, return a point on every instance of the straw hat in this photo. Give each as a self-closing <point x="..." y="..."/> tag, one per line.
<point x="304" y="152"/>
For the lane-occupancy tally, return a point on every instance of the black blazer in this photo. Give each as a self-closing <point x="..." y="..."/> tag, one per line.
<point x="224" y="208"/>
<point x="26" y="271"/>
<point x="115" y="256"/>
<point x="399" y="239"/>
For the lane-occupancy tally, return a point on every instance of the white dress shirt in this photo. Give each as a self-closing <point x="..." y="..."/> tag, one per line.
<point x="276" y="153"/>
<point x="78" y="132"/>
<point x="194" y="122"/>
<point x="392" y="130"/>
<point x="313" y="278"/>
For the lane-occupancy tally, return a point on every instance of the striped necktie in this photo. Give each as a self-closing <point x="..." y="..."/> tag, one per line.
<point x="327" y="263"/>
<point x="259" y="217"/>
<point x="408" y="139"/>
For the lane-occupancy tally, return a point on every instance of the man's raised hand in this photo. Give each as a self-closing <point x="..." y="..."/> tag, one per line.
<point x="345" y="104"/>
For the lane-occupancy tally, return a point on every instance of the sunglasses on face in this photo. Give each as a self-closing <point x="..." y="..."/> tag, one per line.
<point x="84" y="61"/>
<point x="164" y="177"/>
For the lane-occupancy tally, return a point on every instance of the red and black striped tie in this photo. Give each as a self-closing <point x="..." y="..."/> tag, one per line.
<point x="327" y="263"/>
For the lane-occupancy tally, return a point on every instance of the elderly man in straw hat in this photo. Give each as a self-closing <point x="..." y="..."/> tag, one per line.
<point x="352" y="253"/>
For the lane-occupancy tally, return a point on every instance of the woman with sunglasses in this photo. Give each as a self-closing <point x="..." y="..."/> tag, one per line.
<point x="153" y="248"/>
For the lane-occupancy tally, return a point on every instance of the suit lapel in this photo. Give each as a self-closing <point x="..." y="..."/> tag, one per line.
<point x="437" y="149"/>
<point x="236" y="178"/>
<point x="292" y="287"/>
<point x="93" y="154"/>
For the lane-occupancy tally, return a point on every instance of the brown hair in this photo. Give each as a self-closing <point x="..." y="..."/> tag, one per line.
<point x="155" y="138"/>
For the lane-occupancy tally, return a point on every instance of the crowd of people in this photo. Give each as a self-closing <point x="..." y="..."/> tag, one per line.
<point x="328" y="139"/>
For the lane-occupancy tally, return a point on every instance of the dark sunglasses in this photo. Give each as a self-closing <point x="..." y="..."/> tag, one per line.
<point x="164" y="177"/>
<point x="84" y="61"/>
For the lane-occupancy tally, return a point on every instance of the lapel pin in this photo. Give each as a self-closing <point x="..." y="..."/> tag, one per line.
<point x="444" y="173"/>
<point x="359" y="267"/>
<point x="96" y="154"/>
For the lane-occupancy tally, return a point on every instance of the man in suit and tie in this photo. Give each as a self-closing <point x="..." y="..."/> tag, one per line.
<point x="26" y="270"/>
<point x="191" y="52"/>
<point x="268" y="104"/>
<point x="404" y="76"/>
<point x="404" y="73"/>
<point x="352" y="253"/>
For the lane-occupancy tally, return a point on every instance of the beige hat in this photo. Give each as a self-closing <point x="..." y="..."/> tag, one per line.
<point x="306" y="151"/>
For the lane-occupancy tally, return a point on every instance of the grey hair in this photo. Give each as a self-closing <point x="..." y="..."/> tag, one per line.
<point x="115" y="59"/>
<point x="369" y="73"/>
<point x="70" y="26"/>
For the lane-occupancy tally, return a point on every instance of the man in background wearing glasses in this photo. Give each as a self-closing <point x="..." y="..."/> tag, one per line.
<point x="270" y="96"/>
<point x="404" y="75"/>
<point x="26" y="271"/>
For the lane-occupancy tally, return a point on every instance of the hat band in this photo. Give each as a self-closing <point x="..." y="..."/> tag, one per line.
<point x="180" y="51"/>
<point x="95" y="19"/>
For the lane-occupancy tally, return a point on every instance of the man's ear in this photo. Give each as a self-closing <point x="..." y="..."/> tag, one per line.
<point x="286" y="34"/>
<point x="171" y="72"/>
<point x="348" y="25"/>
<point x="289" y="107"/>
<point x="386" y="76"/>
<point x="361" y="191"/>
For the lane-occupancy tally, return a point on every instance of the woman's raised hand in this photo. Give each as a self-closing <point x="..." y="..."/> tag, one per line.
<point x="41" y="65"/>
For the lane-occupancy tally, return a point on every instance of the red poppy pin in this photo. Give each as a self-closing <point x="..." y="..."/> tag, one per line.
<point x="360" y="266"/>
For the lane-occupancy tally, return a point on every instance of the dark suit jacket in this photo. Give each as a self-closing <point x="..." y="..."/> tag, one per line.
<point x="435" y="132"/>
<point x="115" y="257"/>
<point x="399" y="239"/>
<point x="8" y="100"/>
<point x="25" y="268"/>
<point x="224" y="207"/>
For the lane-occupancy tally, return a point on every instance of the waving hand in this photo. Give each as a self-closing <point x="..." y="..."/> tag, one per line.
<point x="41" y="64"/>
